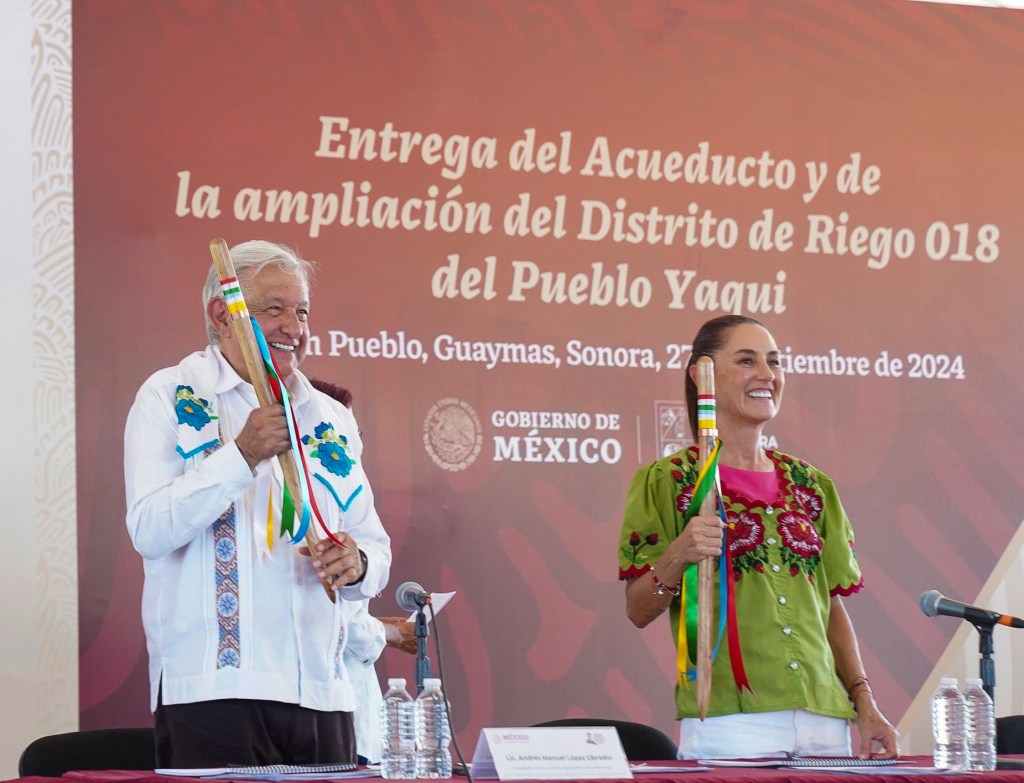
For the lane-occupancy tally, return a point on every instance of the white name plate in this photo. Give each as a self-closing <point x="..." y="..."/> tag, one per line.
<point x="550" y="753"/>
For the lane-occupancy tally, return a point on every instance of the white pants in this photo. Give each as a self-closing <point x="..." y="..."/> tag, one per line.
<point x="764" y="735"/>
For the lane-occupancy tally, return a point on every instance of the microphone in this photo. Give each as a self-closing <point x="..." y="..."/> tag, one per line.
<point x="411" y="596"/>
<point x="934" y="603"/>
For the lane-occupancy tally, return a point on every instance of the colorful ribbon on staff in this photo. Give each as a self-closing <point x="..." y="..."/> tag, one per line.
<point x="308" y="500"/>
<point x="686" y="644"/>
<point x="307" y="508"/>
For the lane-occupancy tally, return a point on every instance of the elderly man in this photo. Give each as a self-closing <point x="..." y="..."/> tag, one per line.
<point x="246" y="650"/>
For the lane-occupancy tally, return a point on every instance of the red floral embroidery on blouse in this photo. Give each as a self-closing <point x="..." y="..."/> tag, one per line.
<point x="631" y="550"/>
<point x="799" y="534"/>
<point x="809" y="502"/>
<point x="746" y="531"/>
<point x="683" y="500"/>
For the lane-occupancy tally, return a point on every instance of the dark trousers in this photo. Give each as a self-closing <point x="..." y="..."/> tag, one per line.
<point x="246" y="732"/>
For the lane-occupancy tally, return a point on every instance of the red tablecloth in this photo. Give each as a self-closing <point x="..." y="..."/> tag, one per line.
<point x="900" y="774"/>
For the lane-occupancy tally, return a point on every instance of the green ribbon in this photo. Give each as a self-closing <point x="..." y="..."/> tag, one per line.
<point x="705" y="484"/>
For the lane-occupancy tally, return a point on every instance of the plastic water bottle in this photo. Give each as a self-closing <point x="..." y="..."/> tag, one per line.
<point x="398" y="732"/>
<point x="980" y="725"/>
<point x="433" y="734"/>
<point x="948" y="726"/>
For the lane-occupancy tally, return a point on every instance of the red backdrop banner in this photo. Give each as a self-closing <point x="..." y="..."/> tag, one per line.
<point x="521" y="213"/>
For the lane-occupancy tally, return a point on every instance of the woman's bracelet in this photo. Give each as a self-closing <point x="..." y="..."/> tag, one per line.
<point x="664" y="588"/>
<point x="859" y="683"/>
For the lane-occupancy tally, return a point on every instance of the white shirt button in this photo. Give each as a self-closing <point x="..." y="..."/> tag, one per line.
<point x="771" y="540"/>
<point x="787" y="630"/>
<point x="782" y="600"/>
<point x="794" y="665"/>
<point x="775" y="568"/>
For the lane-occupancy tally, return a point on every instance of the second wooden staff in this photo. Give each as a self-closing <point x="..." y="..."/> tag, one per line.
<point x="707" y="433"/>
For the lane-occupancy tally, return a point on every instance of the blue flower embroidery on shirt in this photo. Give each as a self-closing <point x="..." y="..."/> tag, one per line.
<point x="228" y="659"/>
<point x="225" y="549"/>
<point x="192" y="410"/>
<point x="227" y="604"/>
<point x="331" y="449"/>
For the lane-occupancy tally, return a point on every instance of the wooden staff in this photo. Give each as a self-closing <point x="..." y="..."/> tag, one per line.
<point x="707" y="432"/>
<point x="258" y="377"/>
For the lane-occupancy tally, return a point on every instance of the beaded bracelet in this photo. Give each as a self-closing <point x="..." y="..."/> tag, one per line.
<point x="664" y="588"/>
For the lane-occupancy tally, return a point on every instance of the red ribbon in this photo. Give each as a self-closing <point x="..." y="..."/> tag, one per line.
<point x="275" y="387"/>
<point x="739" y="672"/>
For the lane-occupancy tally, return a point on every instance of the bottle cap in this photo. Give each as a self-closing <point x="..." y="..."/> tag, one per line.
<point x="432" y="682"/>
<point x="973" y="681"/>
<point x="396" y="682"/>
<point x="948" y="681"/>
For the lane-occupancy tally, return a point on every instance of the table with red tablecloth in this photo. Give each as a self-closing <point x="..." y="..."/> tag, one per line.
<point x="909" y="770"/>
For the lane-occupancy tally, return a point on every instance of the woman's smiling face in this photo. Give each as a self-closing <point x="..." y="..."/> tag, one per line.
<point x="748" y="377"/>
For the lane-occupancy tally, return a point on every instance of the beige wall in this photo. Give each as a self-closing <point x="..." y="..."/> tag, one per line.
<point x="39" y="648"/>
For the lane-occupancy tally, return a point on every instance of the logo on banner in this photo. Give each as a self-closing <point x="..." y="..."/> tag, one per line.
<point x="672" y="427"/>
<point x="568" y="437"/>
<point x="452" y="434"/>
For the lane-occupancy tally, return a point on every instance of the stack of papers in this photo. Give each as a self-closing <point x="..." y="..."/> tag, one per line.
<point x="802" y="761"/>
<point x="276" y="772"/>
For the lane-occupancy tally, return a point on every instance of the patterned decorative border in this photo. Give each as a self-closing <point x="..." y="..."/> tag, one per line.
<point x="53" y="404"/>
<point x="225" y="545"/>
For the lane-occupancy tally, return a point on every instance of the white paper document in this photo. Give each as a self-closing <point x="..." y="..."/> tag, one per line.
<point x="643" y="768"/>
<point x="801" y="762"/>
<point x="900" y="770"/>
<point x="437" y="600"/>
<point x="550" y="753"/>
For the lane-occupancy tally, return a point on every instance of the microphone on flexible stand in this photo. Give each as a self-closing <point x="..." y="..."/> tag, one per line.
<point x="411" y="597"/>
<point x="934" y="603"/>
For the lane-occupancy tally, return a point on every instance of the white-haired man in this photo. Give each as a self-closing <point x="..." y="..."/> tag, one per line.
<point x="245" y="648"/>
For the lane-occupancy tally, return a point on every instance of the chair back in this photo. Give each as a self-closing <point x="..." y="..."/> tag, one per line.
<point x="52" y="756"/>
<point x="1010" y="734"/>
<point x="640" y="742"/>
